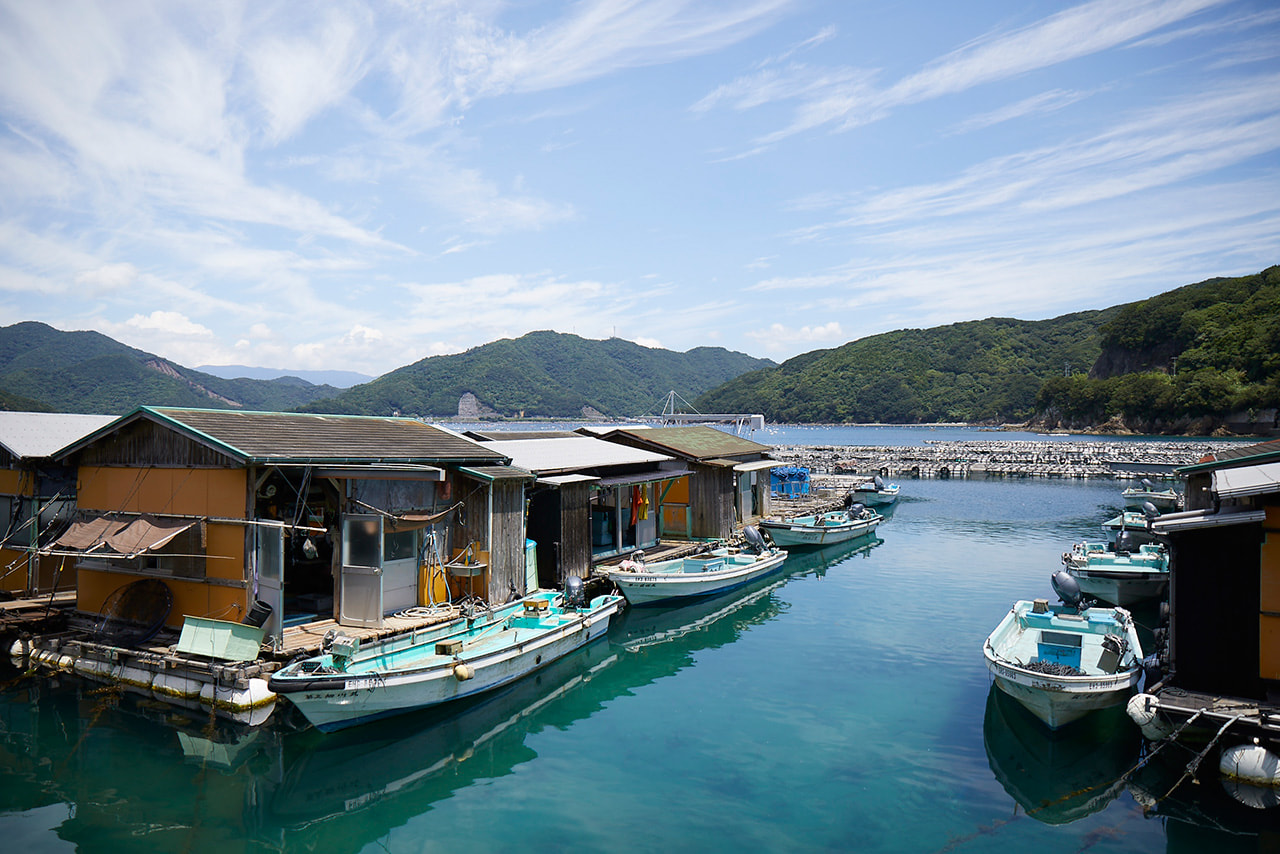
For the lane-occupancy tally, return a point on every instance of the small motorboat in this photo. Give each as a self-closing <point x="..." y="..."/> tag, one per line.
<point x="823" y="529"/>
<point x="1163" y="500"/>
<point x="1121" y="572"/>
<point x="709" y="573"/>
<point x="1062" y="662"/>
<point x="348" y="685"/>
<point x="875" y="492"/>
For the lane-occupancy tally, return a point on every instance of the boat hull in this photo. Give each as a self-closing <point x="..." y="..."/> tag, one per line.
<point x="492" y="654"/>
<point x="801" y="535"/>
<point x="1025" y="639"/>
<point x="671" y="581"/>
<point x="1120" y="578"/>
<point x="1121" y="589"/>
<point x="878" y="498"/>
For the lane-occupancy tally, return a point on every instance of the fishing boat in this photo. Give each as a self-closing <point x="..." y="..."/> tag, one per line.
<point x="1146" y="493"/>
<point x="1062" y="662"/>
<point x="710" y="573"/>
<point x="1121" y="572"/>
<point x="347" y="685"/>
<point x="822" y="529"/>
<point x="875" y="492"/>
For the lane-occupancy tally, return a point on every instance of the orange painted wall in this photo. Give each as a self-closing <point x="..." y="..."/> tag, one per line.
<point x="197" y="492"/>
<point x="184" y="492"/>
<point x="14" y="482"/>
<point x="13" y="569"/>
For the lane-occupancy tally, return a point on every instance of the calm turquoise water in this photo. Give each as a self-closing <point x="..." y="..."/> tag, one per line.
<point x="840" y="706"/>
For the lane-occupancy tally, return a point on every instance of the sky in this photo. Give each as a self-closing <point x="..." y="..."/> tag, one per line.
<point x="359" y="185"/>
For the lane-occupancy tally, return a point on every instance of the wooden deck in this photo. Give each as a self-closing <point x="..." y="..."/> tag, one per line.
<point x="308" y="637"/>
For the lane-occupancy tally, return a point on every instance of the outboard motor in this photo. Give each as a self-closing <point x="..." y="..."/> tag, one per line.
<point x="848" y="499"/>
<point x="755" y="540"/>
<point x="1126" y="543"/>
<point x="575" y="592"/>
<point x="1147" y="484"/>
<point x="1067" y="588"/>
<point x="1150" y="511"/>
<point x="855" y="511"/>
<point x="878" y="482"/>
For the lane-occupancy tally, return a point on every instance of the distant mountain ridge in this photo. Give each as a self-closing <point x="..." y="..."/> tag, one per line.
<point x="92" y="373"/>
<point x="543" y="374"/>
<point x="337" y="379"/>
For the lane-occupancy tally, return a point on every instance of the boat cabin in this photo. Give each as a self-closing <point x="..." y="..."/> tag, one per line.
<point x="296" y="517"/>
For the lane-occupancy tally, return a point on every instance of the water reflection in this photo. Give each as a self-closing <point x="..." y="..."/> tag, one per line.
<point x="1200" y="816"/>
<point x="1064" y="775"/>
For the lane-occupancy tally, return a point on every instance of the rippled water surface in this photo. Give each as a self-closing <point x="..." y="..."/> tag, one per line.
<point x="840" y="706"/>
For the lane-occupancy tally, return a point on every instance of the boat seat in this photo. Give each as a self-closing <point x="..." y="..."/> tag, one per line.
<point x="1059" y="648"/>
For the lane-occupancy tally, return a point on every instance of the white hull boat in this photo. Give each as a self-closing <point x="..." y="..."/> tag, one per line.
<point x="709" y="574"/>
<point x="349" y="685"/>
<point x="1062" y="663"/>
<point x="824" y="529"/>
<point x="1117" y="575"/>
<point x="875" y="493"/>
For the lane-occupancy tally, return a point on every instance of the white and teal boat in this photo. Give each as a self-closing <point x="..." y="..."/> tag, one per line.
<point x="1061" y="662"/>
<point x="710" y="573"/>
<point x="1120" y="573"/>
<point x="1163" y="500"/>
<point x="348" y="685"/>
<point x="822" y="529"/>
<point x="875" y="492"/>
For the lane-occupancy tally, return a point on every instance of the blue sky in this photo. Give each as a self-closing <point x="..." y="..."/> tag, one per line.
<point x="360" y="185"/>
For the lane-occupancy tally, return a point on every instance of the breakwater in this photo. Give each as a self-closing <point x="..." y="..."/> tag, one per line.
<point x="1074" y="458"/>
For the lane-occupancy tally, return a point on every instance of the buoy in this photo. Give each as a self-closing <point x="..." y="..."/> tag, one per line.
<point x="1252" y="764"/>
<point x="1144" y="710"/>
<point x="462" y="672"/>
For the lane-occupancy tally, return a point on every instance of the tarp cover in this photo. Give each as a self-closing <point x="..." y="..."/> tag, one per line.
<point x="123" y="535"/>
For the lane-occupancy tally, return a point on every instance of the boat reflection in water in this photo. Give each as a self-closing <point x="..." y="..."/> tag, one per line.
<point x="1059" y="776"/>
<point x="1203" y="812"/>
<point x="340" y="791"/>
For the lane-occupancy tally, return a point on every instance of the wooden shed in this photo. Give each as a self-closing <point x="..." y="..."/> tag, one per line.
<point x="1221" y="663"/>
<point x="309" y="516"/>
<point x="37" y="497"/>
<point x="592" y="499"/>
<point x="728" y="485"/>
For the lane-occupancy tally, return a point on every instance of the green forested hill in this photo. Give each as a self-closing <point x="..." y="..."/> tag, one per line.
<point x="43" y="367"/>
<point x="1203" y="350"/>
<point x="544" y="374"/>
<point x="974" y="371"/>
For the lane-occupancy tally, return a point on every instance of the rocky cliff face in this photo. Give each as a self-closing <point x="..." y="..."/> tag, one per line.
<point x="1115" y="361"/>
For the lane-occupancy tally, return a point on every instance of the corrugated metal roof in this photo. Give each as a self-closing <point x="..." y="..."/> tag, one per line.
<point x="1192" y="519"/>
<point x="29" y="435"/>
<point x="1248" y="480"/>
<point x="292" y="437"/>
<point x="492" y="473"/>
<point x="697" y="442"/>
<point x="505" y="435"/>
<point x="572" y="453"/>
<point x="1235" y="457"/>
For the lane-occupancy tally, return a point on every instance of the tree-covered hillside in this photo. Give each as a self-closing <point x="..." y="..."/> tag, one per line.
<point x="89" y="372"/>
<point x="975" y="371"/>
<point x="544" y="374"/>
<point x="1202" y="351"/>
